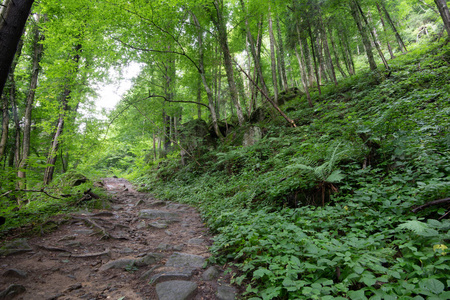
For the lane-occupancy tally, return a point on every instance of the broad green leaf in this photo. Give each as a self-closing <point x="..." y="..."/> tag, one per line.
<point x="432" y="285"/>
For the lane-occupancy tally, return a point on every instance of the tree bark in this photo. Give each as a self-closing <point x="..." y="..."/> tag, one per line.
<point x="273" y="64"/>
<point x="445" y="15"/>
<point x="362" y="31"/>
<point x="316" y="69"/>
<point x="37" y="54"/>
<point x="13" y="17"/>
<point x="228" y="62"/>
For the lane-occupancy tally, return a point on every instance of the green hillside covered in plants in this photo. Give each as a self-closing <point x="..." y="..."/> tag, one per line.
<point x="312" y="136"/>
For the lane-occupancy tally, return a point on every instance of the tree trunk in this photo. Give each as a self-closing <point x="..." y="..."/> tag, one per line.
<point x="301" y="63"/>
<point x="445" y="15"/>
<point x="37" y="54"/>
<point x="13" y="17"/>
<point x="316" y="69"/>
<point x="273" y="64"/>
<point x="336" y="56"/>
<point x="255" y="49"/>
<point x="372" y="32"/>
<point x="391" y="53"/>
<point x="397" y="35"/>
<point x="199" y="98"/>
<point x="281" y="56"/>
<point x="201" y="70"/>
<point x="363" y="33"/>
<point x="327" y="50"/>
<point x="228" y="62"/>
<point x="53" y="153"/>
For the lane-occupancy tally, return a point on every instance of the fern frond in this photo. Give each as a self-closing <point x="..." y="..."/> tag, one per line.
<point x="419" y="228"/>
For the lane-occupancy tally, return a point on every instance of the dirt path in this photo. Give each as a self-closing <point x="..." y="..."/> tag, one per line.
<point x="140" y="249"/>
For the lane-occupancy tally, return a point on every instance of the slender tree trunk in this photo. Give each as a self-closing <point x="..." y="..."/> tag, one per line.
<point x="255" y="51"/>
<point x="327" y="50"/>
<point x="273" y="63"/>
<point x="372" y="32"/>
<point x="316" y="69"/>
<point x="391" y="53"/>
<point x="391" y="23"/>
<point x="201" y="69"/>
<point x="336" y="56"/>
<point x="301" y="63"/>
<point x="199" y="97"/>
<point x="38" y="49"/>
<point x="228" y="62"/>
<point x="53" y="153"/>
<point x="281" y="55"/>
<point x="13" y="17"/>
<point x="445" y="15"/>
<point x="363" y="33"/>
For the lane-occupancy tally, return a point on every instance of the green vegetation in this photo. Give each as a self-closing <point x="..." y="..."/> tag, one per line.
<point x="373" y="147"/>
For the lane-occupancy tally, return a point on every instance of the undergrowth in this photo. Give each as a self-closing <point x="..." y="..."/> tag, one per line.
<point x="323" y="211"/>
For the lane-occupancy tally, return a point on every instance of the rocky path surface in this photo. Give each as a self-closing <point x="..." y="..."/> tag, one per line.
<point x="142" y="248"/>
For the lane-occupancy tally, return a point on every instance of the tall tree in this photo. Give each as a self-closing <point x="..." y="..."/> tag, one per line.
<point x="14" y="15"/>
<point x="445" y="15"/>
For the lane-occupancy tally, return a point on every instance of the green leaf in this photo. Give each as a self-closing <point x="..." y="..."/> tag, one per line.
<point x="432" y="285"/>
<point x="335" y="177"/>
<point x="261" y="272"/>
<point x="420" y="228"/>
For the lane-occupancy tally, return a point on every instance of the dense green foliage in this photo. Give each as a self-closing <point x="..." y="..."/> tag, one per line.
<point x="378" y="144"/>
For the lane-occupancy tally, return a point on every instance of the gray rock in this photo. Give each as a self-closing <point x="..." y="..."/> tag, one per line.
<point x="84" y="231"/>
<point x="141" y="224"/>
<point x="15" y="273"/>
<point x="12" y="291"/>
<point x="163" y="246"/>
<point x="176" y="290"/>
<point x="158" y="225"/>
<point x="251" y="136"/>
<point x="178" y="247"/>
<point x="184" y="260"/>
<point x="158" y="203"/>
<point x="159" y="214"/>
<point x="226" y="292"/>
<point x="168" y="232"/>
<point x="122" y="263"/>
<point x="173" y="275"/>
<point x="140" y="202"/>
<point x="196" y="241"/>
<point x="15" y="247"/>
<point x="210" y="274"/>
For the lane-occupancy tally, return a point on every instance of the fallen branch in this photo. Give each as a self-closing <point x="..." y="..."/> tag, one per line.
<point x="29" y="191"/>
<point x="431" y="203"/>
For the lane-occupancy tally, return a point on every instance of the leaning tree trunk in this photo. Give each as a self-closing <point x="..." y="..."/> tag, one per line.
<point x="363" y="33"/>
<point x="391" y="53"/>
<point x="37" y="54"/>
<point x="391" y="23"/>
<point x="228" y="62"/>
<point x="336" y="56"/>
<point x="377" y="44"/>
<point x="327" y="50"/>
<point x="316" y="69"/>
<point x="14" y="15"/>
<point x="445" y="15"/>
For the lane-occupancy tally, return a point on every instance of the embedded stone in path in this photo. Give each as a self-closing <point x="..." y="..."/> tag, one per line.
<point x="210" y="274"/>
<point x="226" y="292"/>
<point x="184" y="260"/>
<point x="122" y="263"/>
<point x="15" y="247"/>
<point x="159" y="214"/>
<point x="176" y="290"/>
<point x="171" y="275"/>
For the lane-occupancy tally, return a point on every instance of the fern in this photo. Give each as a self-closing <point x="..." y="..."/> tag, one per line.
<point x="419" y="228"/>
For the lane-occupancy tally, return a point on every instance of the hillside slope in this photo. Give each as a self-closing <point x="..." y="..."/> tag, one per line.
<point x="323" y="210"/>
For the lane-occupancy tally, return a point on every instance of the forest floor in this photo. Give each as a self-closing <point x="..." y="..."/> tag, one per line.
<point x="141" y="248"/>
